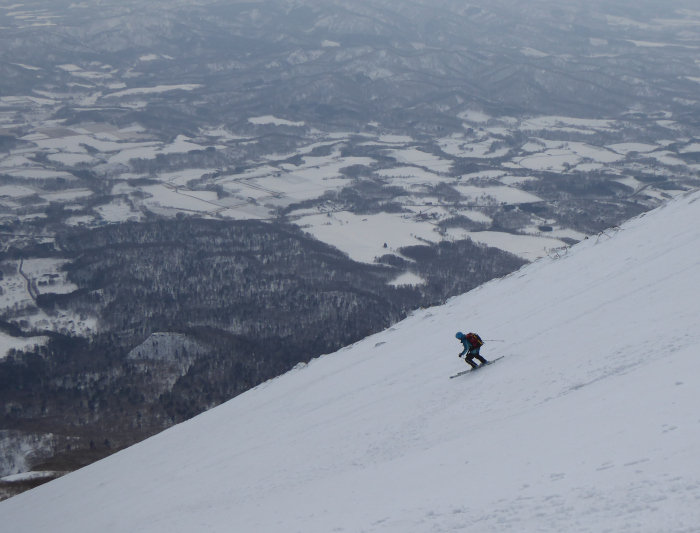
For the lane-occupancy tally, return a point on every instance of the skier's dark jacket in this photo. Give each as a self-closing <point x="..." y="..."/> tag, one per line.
<point x="468" y="347"/>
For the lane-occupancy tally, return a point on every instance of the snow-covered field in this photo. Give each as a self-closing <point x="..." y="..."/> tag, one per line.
<point x="363" y="237"/>
<point x="407" y="279"/>
<point x="529" y="247"/>
<point x="269" y="119"/>
<point x="48" y="276"/>
<point x="26" y="476"/>
<point x="197" y="201"/>
<point x="149" y="150"/>
<point x="14" y="287"/>
<point x="45" y="276"/>
<point x="481" y="149"/>
<point x="153" y="90"/>
<point x="589" y="423"/>
<point x="15" y="191"/>
<point x="14" y="449"/>
<point x="509" y="195"/>
<point x="323" y="163"/>
<point x="18" y="343"/>
<point x="407" y="176"/>
<point x="625" y="148"/>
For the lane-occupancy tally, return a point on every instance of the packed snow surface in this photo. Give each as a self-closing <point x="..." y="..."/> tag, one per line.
<point x="589" y="423"/>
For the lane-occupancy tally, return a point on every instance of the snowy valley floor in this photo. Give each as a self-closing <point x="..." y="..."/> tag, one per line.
<point x="590" y="423"/>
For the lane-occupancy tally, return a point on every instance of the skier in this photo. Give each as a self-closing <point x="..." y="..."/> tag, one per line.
<point x="471" y="349"/>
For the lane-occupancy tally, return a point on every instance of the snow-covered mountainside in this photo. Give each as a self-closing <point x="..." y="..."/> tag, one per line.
<point x="590" y="422"/>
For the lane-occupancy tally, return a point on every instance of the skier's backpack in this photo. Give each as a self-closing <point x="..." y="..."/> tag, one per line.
<point x="474" y="340"/>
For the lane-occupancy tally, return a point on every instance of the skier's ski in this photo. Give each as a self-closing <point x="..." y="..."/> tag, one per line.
<point x="477" y="368"/>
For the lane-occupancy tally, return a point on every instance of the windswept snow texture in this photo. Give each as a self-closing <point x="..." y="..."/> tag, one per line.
<point x="590" y="423"/>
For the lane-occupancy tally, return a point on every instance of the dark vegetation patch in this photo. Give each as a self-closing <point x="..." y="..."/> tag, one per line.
<point x="362" y="197"/>
<point x="460" y="221"/>
<point x="454" y="267"/>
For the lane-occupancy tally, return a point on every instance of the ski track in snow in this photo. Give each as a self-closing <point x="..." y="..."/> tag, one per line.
<point x="590" y="423"/>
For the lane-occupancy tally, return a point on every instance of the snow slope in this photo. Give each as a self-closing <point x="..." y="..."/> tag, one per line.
<point x="590" y="423"/>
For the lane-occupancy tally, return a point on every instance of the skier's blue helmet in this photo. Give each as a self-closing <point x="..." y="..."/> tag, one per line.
<point x="459" y="335"/>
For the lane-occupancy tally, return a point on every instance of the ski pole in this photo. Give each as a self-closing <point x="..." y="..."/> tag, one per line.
<point x="492" y="340"/>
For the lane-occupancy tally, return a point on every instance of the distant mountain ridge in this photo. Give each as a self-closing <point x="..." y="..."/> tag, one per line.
<point x="418" y="61"/>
